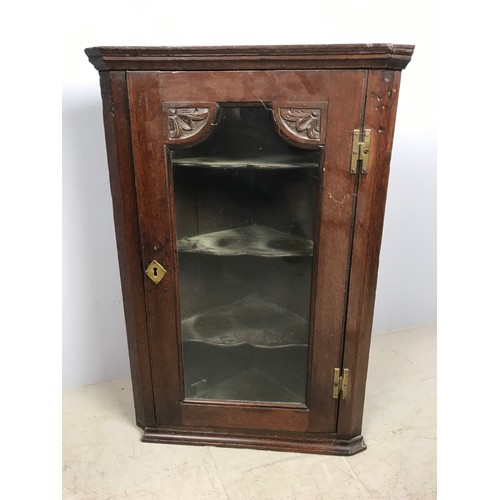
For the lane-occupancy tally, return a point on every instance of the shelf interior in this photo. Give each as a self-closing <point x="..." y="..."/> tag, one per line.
<point x="245" y="373"/>
<point x="245" y="193"/>
<point x="255" y="239"/>
<point x="250" y="385"/>
<point x="252" y="320"/>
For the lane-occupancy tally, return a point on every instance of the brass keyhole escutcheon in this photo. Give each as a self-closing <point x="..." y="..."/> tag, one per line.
<point x="155" y="271"/>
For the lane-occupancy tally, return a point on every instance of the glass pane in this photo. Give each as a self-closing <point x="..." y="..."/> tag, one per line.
<point x="245" y="203"/>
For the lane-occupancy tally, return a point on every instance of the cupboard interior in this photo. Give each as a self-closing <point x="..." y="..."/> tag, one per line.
<point x="245" y="207"/>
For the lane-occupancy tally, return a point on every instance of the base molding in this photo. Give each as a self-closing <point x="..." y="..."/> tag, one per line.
<point x="324" y="444"/>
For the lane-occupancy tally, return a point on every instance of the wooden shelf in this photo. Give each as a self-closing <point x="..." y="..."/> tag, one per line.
<point x="257" y="240"/>
<point x="263" y="163"/>
<point x="252" y="320"/>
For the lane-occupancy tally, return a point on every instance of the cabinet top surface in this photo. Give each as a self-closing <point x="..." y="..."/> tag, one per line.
<point x="356" y="56"/>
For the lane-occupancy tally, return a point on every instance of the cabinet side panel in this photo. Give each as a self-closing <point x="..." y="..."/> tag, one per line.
<point x="121" y="174"/>
<point x="380" y="116"/>
<point x="335" y="219"/>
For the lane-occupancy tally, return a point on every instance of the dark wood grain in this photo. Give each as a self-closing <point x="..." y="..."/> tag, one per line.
<point x="335" y="219"/>
<point x="262" y="87"/>
<point x="250" y="58"/>
<point x="325" y="444"/>
<point x="355" y="86"/>
<point x="380" y="115"/>
<point x="248" y="87"/>
<point x="244" y="417"/>
<point x="122" y="181"/>
<point x="155" y="206"/>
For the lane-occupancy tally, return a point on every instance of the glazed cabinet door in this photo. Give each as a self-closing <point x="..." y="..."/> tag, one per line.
<point x="246" y="207"/>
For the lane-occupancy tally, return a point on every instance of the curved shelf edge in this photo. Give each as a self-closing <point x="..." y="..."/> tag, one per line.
<point x="254" y="240"/>
<point x="239" y="344"/>
<point x="277" y="163"/>
<point x="253" y="320"/>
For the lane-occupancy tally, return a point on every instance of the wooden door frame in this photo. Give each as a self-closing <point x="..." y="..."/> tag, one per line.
<point x="380" y="116"/>
<point x="333" y="240"/>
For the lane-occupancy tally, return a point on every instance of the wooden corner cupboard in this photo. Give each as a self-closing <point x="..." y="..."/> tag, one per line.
<point x="249" y="186"/>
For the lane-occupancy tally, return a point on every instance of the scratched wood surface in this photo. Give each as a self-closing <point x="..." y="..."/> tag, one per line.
<point x="314" y="57"/>
<point x="122" y="181"/>
<point x="380" y="116"/>
<point x="155" y="208"/>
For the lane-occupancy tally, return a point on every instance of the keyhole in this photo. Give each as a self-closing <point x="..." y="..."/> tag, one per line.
<point x="155" y="271"/>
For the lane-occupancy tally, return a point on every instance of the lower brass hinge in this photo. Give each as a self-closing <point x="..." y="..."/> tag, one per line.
<point x="340" y="383"/>
<point x="360" y="153"/>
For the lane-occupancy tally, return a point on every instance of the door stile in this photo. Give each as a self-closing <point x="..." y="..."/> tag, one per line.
<point x="157" y="239"/>
<point x="333" y="245"/>
<point x="122" y="183"/>
<point x="381" y="104"/>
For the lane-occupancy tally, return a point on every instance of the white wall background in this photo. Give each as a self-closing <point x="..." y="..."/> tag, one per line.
<point x="94" y="341"/>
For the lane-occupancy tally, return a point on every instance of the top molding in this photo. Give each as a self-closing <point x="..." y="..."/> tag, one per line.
<point x="358" y="56"/>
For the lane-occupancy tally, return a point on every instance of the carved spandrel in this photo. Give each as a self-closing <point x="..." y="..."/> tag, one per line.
<point x="186" y="123"/>
<point x="304" y="123"/>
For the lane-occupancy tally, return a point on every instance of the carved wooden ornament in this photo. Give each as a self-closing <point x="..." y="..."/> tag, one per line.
<point x="303" y="124"/>
<point x="187" y="123"/>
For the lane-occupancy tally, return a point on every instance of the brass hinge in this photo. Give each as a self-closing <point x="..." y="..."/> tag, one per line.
<point x="340" y="383"/>
<point x="360" y="153"/>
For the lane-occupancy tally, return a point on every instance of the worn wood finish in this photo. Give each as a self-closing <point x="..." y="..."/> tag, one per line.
<point x="249" y="87"/>
<point x="355" y="86"/>
<point x="257" y="87"/>
<point x="244" y="417"/>
<point x="364" y="56"/>
<point x="380" y="116"/>
<point x="335" y="219"/>
<point x="325" y="444"/>
<point x="155" y="207"/>
<point x="122" y="181"/>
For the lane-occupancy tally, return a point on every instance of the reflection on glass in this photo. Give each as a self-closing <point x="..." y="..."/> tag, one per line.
<point x="245" y="204"/>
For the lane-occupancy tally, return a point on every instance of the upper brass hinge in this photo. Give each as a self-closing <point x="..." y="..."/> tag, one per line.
<point x="360" y="153"/>
<point x="340" y="383"/>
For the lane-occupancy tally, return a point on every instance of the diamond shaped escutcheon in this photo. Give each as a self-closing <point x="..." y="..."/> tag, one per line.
<point x="155" y="271"/>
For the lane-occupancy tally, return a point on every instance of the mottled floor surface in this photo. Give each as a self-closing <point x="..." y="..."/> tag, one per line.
<point x="103" y="457"/>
